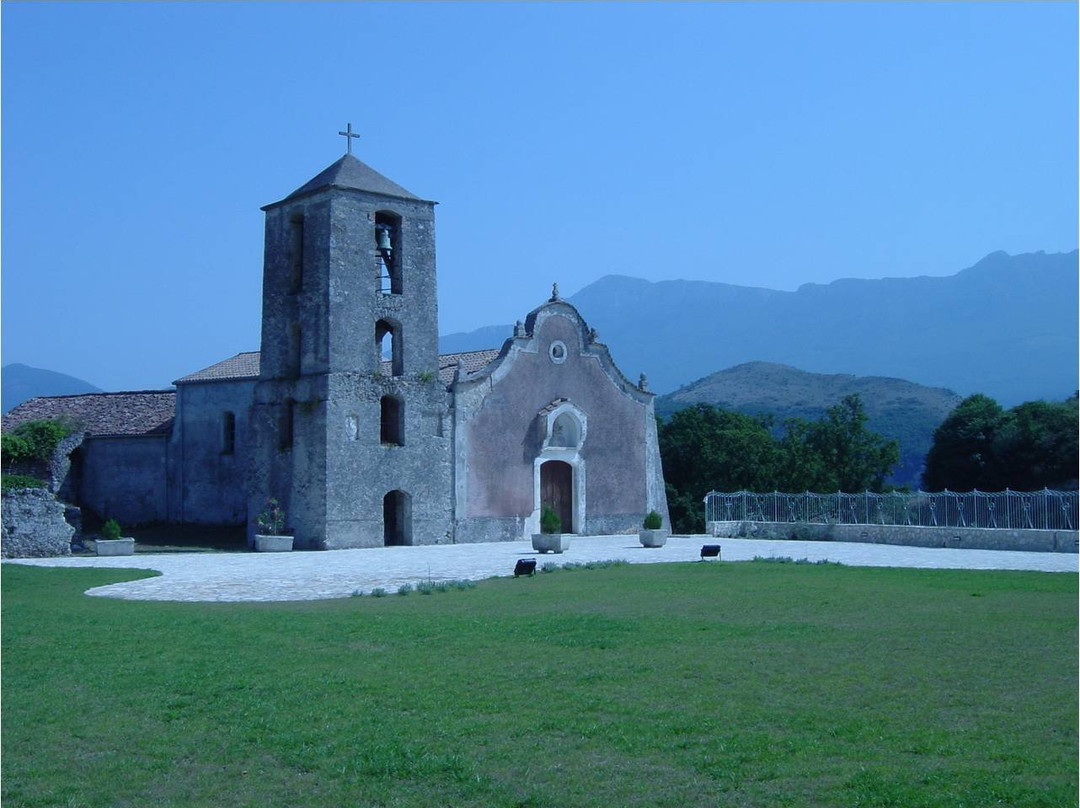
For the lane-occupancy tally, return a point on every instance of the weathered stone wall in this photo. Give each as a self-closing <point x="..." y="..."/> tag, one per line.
<point x="209" y="479"/>
<point x="126" y="478"/>
<point x="34" y="525"/>
<point x="974" y="538"/>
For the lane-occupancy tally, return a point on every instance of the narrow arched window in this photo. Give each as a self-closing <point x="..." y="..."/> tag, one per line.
<point x="228" y="432"/>
<point x="392" y="421"/>
<point x="288" y="420"/>
<point x="388" y="252"/>
<point x="389" y="348"/>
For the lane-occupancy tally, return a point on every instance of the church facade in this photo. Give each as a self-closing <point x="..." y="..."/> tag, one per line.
<point x="349" y="417"/>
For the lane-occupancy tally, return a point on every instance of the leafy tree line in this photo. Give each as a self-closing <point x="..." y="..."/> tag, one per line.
<point x="705" y="448"/>
<point x="981" y="445"/>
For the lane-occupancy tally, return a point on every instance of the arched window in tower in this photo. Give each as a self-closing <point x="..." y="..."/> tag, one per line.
<point x="392" y="421"/>
<point x="389" y="347"/>
<point x="388" y="252"/>
<point x="296" y="253"/>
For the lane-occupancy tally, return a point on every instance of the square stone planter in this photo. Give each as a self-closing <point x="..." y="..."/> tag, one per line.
<point x="653" y="538"/>
<point x="551" y="542"/>
<point x="273" y="544"/>
<point x="114" y="547"/>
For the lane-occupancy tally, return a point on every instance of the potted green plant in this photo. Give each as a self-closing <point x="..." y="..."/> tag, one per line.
<point x="550" y="539"/>
<point x="112" y="543"/>
<point x="272" y="537"/>
<point x="652" y="532"/>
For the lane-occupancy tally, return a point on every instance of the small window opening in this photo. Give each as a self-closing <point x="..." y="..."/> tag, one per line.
<point x="228" y="433"/>
<point x="392" y="430"/>
<point x="388" y="252"/>
<point x="389" y="348"/>
<point x="288" y="421"/>
<point x="296" y="254"/>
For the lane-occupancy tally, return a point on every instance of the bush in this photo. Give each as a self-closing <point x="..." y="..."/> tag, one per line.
<point x="378" y="592"/>
<point x="33" y="440"/>
<point x="18" y="482"/>
<point x="550" y="521"/>
<point x="653" y="521"/>
<point x="110" y="530"/>
<point x="405" y="589"/>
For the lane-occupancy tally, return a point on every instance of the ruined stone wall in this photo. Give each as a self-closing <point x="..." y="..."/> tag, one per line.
<point x="33" y="525"/>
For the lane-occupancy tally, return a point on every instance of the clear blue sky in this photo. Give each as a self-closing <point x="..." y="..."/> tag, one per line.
<point x="765" y="144"/>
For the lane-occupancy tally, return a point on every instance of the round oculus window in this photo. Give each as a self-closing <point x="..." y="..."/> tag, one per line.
<point x="557" y="352"/>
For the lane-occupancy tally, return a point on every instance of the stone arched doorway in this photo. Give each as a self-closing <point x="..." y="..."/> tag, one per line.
<point x="397" y="519"/>
<point x="557" y="491"/>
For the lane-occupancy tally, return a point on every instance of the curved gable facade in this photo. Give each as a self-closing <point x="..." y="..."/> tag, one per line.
<point x="553" y="421"/>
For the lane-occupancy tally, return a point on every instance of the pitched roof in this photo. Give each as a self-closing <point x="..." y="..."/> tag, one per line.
<point x="144" y="413"/>
<point x="350" y="173"/>
<point x="472" y="361"/>
<point x="245" y="366"/>
<point x="242" y="366"/>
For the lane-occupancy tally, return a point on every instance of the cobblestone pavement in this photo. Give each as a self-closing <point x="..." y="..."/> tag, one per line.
<point x="227" y="577"/>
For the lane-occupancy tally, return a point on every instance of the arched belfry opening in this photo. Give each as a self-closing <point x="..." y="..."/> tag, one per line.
<point x="397" y="519"/>
<point x="388" y="252"/>
<point x="388" y="346"/>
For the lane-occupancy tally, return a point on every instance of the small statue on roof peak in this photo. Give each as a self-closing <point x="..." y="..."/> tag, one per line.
<point x="554" y="292"/>
<point x="519" y="329"/>
<point x="643" y="383"/>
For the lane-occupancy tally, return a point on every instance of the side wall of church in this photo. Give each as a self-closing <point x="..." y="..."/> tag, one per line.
<point x="210" y="452"/>
<point x="504" y="435"/>
<point x="125" y="478"/>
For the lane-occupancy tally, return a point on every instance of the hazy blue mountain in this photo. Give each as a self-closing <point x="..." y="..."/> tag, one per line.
<point x="895" y="408"/>
<point x="1006" y="327"/>
<point x="19" y="383"/>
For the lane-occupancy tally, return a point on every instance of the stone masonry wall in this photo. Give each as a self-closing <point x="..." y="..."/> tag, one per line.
<point x="34" y="525"/>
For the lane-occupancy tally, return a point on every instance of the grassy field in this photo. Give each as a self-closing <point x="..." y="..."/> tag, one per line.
<point x="750" y="684"/>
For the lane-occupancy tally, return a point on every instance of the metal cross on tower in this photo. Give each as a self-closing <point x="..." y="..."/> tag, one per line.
<point x="348" y="134"/>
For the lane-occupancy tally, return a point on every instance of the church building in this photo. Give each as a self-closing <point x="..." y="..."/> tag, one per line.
<point x="349" y="417"/>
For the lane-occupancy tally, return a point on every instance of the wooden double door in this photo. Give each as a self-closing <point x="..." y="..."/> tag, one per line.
<point x="557" y="491"/>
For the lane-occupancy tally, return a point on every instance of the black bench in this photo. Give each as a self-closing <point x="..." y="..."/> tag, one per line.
<point x="710" y="551"/>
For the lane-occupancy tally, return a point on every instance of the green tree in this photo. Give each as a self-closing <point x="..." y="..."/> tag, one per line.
<point x="838" y="452"/>
<point x="962" y="456"/>
<point x="1036" y="446"/>
<point x="705" y="448"/>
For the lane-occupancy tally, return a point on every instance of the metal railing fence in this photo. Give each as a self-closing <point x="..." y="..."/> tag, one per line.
<point x="1038" y="510"/>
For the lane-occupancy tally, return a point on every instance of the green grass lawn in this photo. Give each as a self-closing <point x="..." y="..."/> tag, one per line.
<point x="682" y="685"/>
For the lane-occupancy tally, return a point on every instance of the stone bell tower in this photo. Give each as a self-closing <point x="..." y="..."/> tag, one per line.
<point x="350" y="420"/>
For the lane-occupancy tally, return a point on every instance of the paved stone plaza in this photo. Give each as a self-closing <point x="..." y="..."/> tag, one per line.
<point x="226" y="577"/>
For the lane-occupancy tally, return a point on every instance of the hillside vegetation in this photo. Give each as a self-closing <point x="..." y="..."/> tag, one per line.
<point x="895" y="408"/>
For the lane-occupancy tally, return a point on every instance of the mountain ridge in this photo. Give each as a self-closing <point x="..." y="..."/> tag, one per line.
<point x="1005" y="326"/>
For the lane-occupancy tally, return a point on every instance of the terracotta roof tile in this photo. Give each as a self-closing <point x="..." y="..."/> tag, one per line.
<point x="242" y="366"/>
<point x="144" y="413"/>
